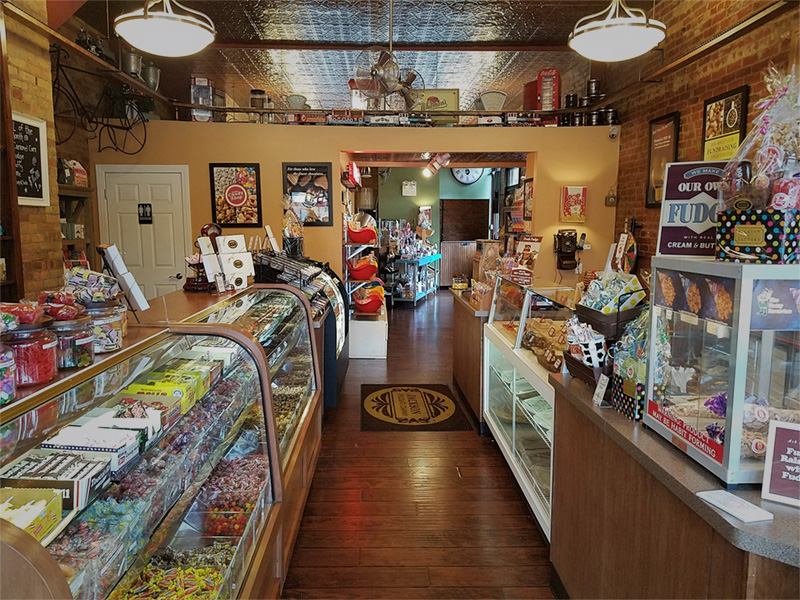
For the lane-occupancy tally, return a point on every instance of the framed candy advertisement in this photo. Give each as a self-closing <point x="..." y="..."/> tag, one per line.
<point x="573" y="204"/>
<point x="235" y="194"/>
<point x="724" y="123"/>
<point x="307" y="192"/>
<point x="662" y="150"/>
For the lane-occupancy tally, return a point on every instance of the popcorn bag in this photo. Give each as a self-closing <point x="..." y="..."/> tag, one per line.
<point x="759" y="211"/>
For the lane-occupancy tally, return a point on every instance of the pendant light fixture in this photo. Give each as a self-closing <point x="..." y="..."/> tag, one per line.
<point x="616" y="33"/>
<point x="165" y="32"/>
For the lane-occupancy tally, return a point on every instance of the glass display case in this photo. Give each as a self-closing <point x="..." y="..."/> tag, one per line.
<point x="542" y="299"/>
<point x="164" y="460"/>
<point x="518" y="398"/>
<point x="277" y="318"/>
<point x="724" y="360"/>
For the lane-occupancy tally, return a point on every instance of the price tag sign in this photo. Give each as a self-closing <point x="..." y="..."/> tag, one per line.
<point x="600" y="390"/>
<point x="782" y="466"/>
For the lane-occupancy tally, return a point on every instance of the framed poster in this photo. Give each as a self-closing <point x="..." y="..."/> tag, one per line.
<point x="235" y="194"/>
<point x="573" y="204"/>
<point x="307" y="192"/>
<point x="662" y="150"/>
<point x="527" y="210"/>
<point x="30" y="154"/>
<point x="724" y="123"/>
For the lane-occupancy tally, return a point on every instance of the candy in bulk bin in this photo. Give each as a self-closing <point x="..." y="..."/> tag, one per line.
<point x="75" y="343"/>
<point x="8" y="368"/>
<point x="107" y="328"/>
<point x="35" y="355"/>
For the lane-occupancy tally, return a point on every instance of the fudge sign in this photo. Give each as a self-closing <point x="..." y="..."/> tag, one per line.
<point x="235" y="195"/>
<point x="782" y="466"/>
<point x="689" y="209"/>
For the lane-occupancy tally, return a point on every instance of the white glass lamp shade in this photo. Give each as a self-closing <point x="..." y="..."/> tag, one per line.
<point x="165" y="33"/>
<point x="617" y="39"/>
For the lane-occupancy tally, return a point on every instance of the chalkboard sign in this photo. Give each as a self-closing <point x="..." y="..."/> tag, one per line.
<point x="30" y="152"/>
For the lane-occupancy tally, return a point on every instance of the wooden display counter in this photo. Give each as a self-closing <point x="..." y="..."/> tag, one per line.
<point x="626" y="522"/>
<point x="468" y="352"/>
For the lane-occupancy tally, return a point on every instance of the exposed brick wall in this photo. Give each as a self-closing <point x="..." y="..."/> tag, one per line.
<point x="29" y="72"/>
<point x="573" y="80"/>
<point x="742" y="62"/>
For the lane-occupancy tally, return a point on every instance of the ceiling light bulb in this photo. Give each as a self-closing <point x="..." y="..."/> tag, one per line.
<point x="165" y="32"/>
<point x="427" y="172"/>
<point x="426" y="155"/>
<point x="615" y="34"/>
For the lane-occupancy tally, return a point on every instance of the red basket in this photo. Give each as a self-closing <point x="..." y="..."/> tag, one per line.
<point x="371" y="305"/>
<point x="363" y="236"/>
<point x="362" y="273"/>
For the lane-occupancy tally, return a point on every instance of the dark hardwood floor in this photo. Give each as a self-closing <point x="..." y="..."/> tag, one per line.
<point x="414" y="515"/>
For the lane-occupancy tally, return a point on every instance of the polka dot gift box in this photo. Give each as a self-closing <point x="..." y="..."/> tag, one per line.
<point x="759" y="236"/>
<point x="627" y="397"/>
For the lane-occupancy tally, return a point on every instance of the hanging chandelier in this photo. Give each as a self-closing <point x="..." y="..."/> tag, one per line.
<point x="165" y="32"/>
<point x="616" y="33"/>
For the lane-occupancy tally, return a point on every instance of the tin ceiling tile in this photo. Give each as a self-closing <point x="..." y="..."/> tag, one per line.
<point x="322" y="75"/>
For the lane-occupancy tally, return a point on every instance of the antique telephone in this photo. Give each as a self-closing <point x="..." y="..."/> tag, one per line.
<point x="566" y="243"/>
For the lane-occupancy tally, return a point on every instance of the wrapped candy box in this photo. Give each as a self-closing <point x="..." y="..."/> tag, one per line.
<point x="759" y="211"/>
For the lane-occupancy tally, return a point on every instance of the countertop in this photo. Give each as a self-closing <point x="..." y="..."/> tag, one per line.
<point x="778" y="540"/>
<point x="462" y="298"/>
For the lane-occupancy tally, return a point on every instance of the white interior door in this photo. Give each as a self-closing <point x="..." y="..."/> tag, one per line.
<point x="153" y="252"/>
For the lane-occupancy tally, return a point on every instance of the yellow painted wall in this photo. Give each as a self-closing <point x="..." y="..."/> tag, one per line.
<point x="565" y="156"/>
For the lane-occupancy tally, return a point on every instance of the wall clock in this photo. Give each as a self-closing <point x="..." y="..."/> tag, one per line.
<point x="466" y="176"/>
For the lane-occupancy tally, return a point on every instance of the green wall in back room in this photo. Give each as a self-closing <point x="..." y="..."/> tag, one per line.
<point x="393" y="205"/>
<point x="450" y="189"/>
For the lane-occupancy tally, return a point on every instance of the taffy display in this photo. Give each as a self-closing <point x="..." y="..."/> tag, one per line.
<point x="90" y="286"/>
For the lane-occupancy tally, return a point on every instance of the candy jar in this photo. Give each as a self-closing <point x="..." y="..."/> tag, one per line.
<point x="75" y="343"/>
<point x="35" y="355"/>
<point x="107" y="327"/>
<point x="8" y="386"/>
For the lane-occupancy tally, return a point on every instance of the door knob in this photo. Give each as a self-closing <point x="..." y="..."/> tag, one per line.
<point x="178" y="276"/>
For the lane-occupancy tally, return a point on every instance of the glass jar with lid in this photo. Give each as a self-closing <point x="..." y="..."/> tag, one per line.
<point x="107" y="328"/>
<point x="8" y="385"/>
<point x="34" y="354"/>
<point x="460" y="281"/>
<point x="75" y="343"/>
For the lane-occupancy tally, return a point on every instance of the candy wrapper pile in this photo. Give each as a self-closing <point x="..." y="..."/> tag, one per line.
<point x="90" y="286"/>
<point x="605" y="293"/>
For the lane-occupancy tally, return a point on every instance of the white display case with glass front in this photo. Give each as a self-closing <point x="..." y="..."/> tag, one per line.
<point x="724" y="360"/>
<point x="518" y="399"/>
